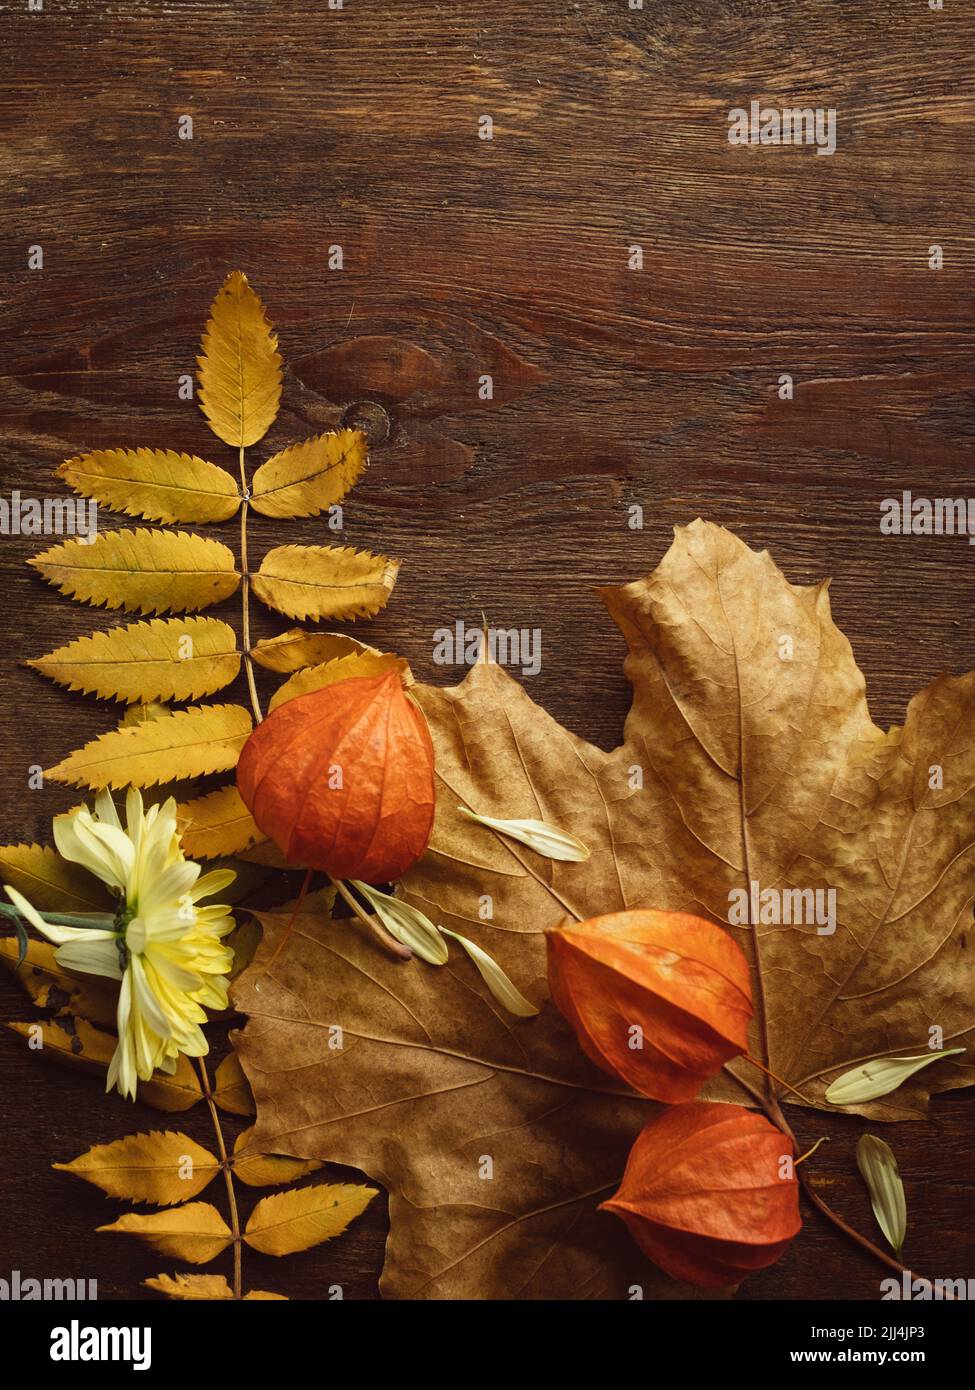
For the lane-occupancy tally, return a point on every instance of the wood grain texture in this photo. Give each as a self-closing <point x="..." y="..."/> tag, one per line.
<point x="316" y="128"/>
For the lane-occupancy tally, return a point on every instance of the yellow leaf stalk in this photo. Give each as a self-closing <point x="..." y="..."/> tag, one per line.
<point x="166" y="951"/>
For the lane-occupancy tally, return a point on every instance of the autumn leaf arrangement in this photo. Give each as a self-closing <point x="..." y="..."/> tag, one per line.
<point x="116" y="901"/>
<point x="582" y="887"/>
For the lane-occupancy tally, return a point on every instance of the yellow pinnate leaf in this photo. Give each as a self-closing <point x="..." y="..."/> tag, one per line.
<point x="268" y="1170"/>
<point x="191" y="1286"/>
<point x="368" y="663"/>
<point x="142" y="571"/>
<point x="218" y="823"/>
<point x="163" y="1167"/>
<point x="262" y="1295"/>
<point x="231" y="1089"/>
<point x="189" y="743"/>
<point x="196" y="1233"/>
<point x="51" y="883"/>
<point x="309" y="477"/>
<point x="324" y="581"/>
<point x="166" y="659"/>
<point x="296" y="648"/>
<point x="291" y="1221"/>
<point x="157" y="484"/>
<point x="77" y="1043"/>
<point x="240" y="367"/>
<point x="51" y="987"/>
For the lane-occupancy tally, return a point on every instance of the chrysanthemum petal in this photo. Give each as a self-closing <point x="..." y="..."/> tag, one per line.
<point x="92" y="957"/>
<point x="144" y="999"/>
<point x="214" y="882"/>
<point x="75" y="840"/>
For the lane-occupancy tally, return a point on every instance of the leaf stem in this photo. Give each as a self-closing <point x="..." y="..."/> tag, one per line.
<point x="227" y="1176"/>
<point x="245" y="590"/>
<point x="774" y="1113"/>
<point x="769" y="1073"/>
<point x="390" y="943"/>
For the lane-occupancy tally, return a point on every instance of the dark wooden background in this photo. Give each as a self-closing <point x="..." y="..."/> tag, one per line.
<point x="315" y="127"/>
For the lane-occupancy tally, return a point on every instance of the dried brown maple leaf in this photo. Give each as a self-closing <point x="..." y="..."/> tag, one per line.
<point x="759" y="763"/>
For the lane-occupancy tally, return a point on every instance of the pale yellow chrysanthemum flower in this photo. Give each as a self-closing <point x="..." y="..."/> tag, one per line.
<point x="166" y="951"/>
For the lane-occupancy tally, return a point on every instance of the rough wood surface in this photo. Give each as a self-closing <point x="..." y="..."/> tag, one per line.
<point x="315" y="128"/>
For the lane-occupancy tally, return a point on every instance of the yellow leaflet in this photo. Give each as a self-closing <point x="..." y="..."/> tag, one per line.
<point x="196" y="1233"/>
<point x="268" y="1170"/>
<point x="240" y="367"/>
<point x="218" y="823"/>
<point x="323" y="581"/>
<point x="135" y="715"/>
<point x="367" y="663"/>
<point x="167" y="659"/>
<point x="296" y="648"/>
<point x="163" y="1167"/>
<point x="75" y="1042"/>
<point x="158" y="484"/>
<point x="51" y="883"/>
<point x="142" y="571"/>
<point x="309" y="477"/>
<point x="292" y="1221"/>
<point x="231" y="1089"/>
<point x="189" y="743"/>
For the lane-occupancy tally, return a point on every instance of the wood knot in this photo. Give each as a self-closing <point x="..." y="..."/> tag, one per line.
<point x="370" y="418"/>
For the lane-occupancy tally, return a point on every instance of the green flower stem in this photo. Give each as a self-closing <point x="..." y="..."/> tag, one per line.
<point x="95" y="922"/>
